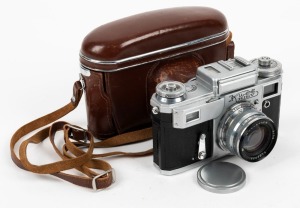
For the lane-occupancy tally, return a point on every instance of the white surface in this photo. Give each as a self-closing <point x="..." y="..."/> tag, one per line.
<point x="39" y="45"/>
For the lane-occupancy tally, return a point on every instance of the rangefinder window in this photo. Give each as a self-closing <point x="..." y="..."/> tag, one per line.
<point x="270" y="89"/>
<point x="192" y="116"/>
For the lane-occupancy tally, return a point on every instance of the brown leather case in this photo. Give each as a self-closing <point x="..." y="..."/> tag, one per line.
<point x="122" y="61"/>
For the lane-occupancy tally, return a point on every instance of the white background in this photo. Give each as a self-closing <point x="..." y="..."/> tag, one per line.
<point x="39" y="45"/>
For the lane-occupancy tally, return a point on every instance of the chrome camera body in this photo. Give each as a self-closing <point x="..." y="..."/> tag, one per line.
<point x="230" y="108"/>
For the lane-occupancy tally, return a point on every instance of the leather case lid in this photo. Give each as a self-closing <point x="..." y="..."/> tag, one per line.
<point x="151" y="36"/>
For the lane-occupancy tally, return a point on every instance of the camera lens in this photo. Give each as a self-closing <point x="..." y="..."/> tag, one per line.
<point x="255" y="139"/>
<point x="246" y="132"/>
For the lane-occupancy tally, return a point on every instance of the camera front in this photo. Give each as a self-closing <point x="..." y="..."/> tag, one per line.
<point x="230" y="108"/>
<point x="246" y="132"/>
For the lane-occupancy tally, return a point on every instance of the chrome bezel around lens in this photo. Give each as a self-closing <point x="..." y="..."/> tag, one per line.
<point x="266" y="147"/>
<point x="234" y="125"/>
<point x="227" y="120"/>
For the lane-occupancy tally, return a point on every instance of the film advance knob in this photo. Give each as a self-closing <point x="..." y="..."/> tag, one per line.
<point x="171" y="92"/>
<point x="264" y="61"/>
<point x="170" y="89"/>
<point x="267" y="67"/>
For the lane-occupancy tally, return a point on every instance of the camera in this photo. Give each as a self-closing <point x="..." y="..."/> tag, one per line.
<point x="230" y="108"/>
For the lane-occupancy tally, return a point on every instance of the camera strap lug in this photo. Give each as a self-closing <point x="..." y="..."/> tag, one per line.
<point x="82" y="82"/>
<point x="202" y="147"/>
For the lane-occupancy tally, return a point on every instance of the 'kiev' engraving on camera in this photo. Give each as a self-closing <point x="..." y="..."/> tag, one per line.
<point x="243" y="95"/>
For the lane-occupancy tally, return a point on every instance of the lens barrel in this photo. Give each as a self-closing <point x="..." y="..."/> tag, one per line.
<point x="246" y="132"/>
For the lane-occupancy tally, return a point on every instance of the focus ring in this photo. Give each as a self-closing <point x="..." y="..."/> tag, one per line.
<point x="236" y="129"/>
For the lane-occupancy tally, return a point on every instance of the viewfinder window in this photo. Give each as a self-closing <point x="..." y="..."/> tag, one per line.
<point x="192" y="116"/>
<point x="270" y="89"/>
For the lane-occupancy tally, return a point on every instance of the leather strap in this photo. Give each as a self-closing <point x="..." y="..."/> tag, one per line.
<point x="72" y="156"/>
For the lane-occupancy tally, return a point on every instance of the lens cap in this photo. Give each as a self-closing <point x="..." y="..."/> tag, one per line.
<point x="221" y="177"/>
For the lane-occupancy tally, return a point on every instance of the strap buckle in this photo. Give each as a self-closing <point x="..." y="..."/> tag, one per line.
<point x="94" y="184"/>
<point x="75" y="130"/>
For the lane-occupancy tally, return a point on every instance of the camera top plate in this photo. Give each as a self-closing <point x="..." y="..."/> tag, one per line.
<point x="226" y="76"/>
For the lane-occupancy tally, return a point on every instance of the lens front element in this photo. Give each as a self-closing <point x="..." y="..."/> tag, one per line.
<point x="246" y="132"/>
<point x="255" y="139"/>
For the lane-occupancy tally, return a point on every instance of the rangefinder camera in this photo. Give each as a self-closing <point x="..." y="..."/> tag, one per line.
<point x="230" y="108"/>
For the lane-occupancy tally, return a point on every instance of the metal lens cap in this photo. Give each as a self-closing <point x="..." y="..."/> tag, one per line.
<point x="170" y="89"/>
<point x="221" y="177"/>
